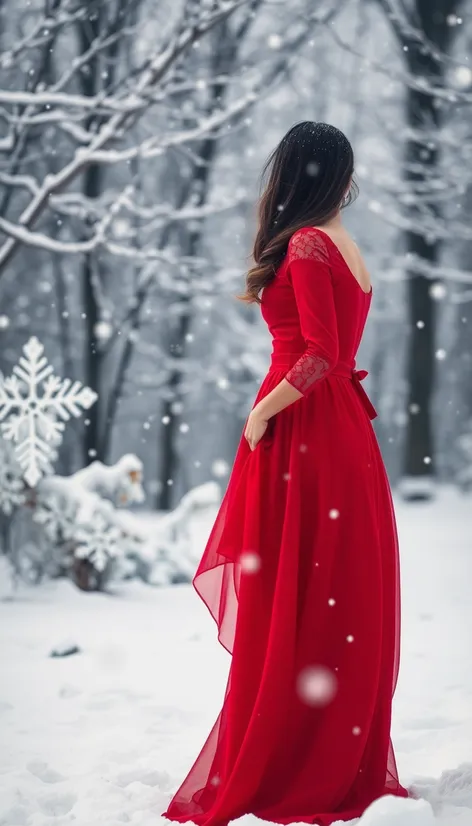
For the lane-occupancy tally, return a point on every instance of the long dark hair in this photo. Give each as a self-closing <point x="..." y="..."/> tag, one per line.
<point x="309" y="180"/>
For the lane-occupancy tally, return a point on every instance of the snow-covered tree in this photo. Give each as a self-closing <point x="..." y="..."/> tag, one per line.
<point x="133" y="132"/>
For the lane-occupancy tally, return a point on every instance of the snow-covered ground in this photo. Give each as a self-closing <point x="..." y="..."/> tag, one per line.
<point x="103" y="738"/>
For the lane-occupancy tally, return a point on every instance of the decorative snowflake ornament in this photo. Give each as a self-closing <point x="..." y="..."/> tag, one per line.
<point x="98" y="542"/>
<point x="34" y="404"/>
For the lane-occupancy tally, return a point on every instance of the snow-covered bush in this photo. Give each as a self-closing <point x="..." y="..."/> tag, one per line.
<point x="76" y="525"/>
<point x="64" y="527"/>
<point x="164" y="553"/>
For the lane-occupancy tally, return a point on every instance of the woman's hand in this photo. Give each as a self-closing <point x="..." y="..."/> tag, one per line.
<point x="256" y="426"/>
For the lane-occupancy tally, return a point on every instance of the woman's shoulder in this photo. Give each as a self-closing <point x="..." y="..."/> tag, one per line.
<point x="308" y="243"/>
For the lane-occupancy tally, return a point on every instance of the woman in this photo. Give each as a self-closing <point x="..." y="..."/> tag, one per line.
<point x="301" y="569"/>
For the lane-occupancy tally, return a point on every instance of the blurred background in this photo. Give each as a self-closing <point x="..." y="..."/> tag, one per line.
<point x="132" y="138"/>
<point x="133" y="134"/>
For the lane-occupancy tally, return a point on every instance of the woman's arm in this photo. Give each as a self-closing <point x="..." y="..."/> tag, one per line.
<point x="310" y="276"/>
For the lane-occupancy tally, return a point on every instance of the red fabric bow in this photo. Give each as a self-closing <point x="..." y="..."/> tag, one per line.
<point x="357" y="377"/>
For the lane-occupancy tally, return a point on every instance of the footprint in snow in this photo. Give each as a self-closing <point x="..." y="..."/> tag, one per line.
<point x="147" y="778"/>
<point x="57" y="804"/>
<point x="44" y="772"/>
<point x="16" y="816"/>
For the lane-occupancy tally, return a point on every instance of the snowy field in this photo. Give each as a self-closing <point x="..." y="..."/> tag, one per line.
<point x="104" y="737"/>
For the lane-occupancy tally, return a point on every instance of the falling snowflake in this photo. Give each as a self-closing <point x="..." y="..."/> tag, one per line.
<point x="274" y="41"/>
<point x="220" y="468"/>
<point x="312" y="169"/>
<point x="462" y="77"/>
<point x="250" y="562"/>
<point x="121" y="228"/>
<point x="34" y="404"/>
<point x="375" y="206"/>
<point x="438" y="291"/>
<point x="317" y="685"/>
<point x="103" y="330"/>
<point x="98" y="542"/>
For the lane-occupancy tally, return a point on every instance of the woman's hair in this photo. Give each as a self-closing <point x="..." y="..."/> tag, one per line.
<point x="309" y="180"/>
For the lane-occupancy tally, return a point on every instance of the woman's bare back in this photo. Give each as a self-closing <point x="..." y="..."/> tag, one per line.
<point x="349" y="251"/>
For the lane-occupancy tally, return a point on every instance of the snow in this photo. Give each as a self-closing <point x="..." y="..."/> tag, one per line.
<point x="104" y="736"/>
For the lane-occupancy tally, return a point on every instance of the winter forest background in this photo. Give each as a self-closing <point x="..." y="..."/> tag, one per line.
<point x="132" y="136"/>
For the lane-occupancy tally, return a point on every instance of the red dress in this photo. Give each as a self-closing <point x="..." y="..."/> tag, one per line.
<point x="301" y="574"/>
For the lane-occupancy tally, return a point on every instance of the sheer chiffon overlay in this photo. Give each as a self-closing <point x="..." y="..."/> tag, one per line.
<point x="301" y="575"/>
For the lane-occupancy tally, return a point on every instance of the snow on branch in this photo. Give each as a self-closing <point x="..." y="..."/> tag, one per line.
<point x="41" y="33"/>
<point x="48" y="98"/>
<point x="442" y="92"/>
<point x="153" y="147"/>
<point x="123" y="113"/>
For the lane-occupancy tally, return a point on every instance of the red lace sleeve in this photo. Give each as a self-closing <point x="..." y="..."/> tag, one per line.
<point x="310" y="275"/>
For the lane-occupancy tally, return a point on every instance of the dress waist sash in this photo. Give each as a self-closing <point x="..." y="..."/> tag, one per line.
<point x="285" y="361"/>
<point x="356" y="376"/>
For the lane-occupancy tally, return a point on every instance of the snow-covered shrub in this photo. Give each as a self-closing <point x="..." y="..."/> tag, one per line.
<point x="121" y="483"/>
<point x="77" y="519"/>
<point x="164" y="553"/>
<point x="64" y="527"/>
<point x="54" y="526"/>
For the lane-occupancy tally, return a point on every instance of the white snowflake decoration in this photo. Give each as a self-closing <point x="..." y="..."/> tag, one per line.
<point x="98" y="542"/>
<point x="34" y="404"/>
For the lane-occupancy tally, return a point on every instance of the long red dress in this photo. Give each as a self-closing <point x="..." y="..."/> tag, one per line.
<point x="301" y="574"/>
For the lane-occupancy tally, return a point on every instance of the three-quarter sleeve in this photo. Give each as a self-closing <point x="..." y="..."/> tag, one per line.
<point x="309" y="273"/>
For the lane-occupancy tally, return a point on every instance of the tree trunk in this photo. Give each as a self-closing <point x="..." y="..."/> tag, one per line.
<point x="224" y="57"/>
<point x="92" y="356"/>
<point x="169" y="459"/>
<point x="88" y="32"/>
<point x="106" y="21"/>
<point x="424" y="116"/>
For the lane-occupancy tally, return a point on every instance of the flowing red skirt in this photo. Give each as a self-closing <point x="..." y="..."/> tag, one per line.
<point x="301" y="574"/>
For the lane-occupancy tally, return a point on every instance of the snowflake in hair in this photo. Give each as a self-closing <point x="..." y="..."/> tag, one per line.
<point x="98" y="542"/>
<point x="34" y="404"/>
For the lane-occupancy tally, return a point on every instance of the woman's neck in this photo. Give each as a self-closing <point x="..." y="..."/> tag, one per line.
<point x="335" y="221"/>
